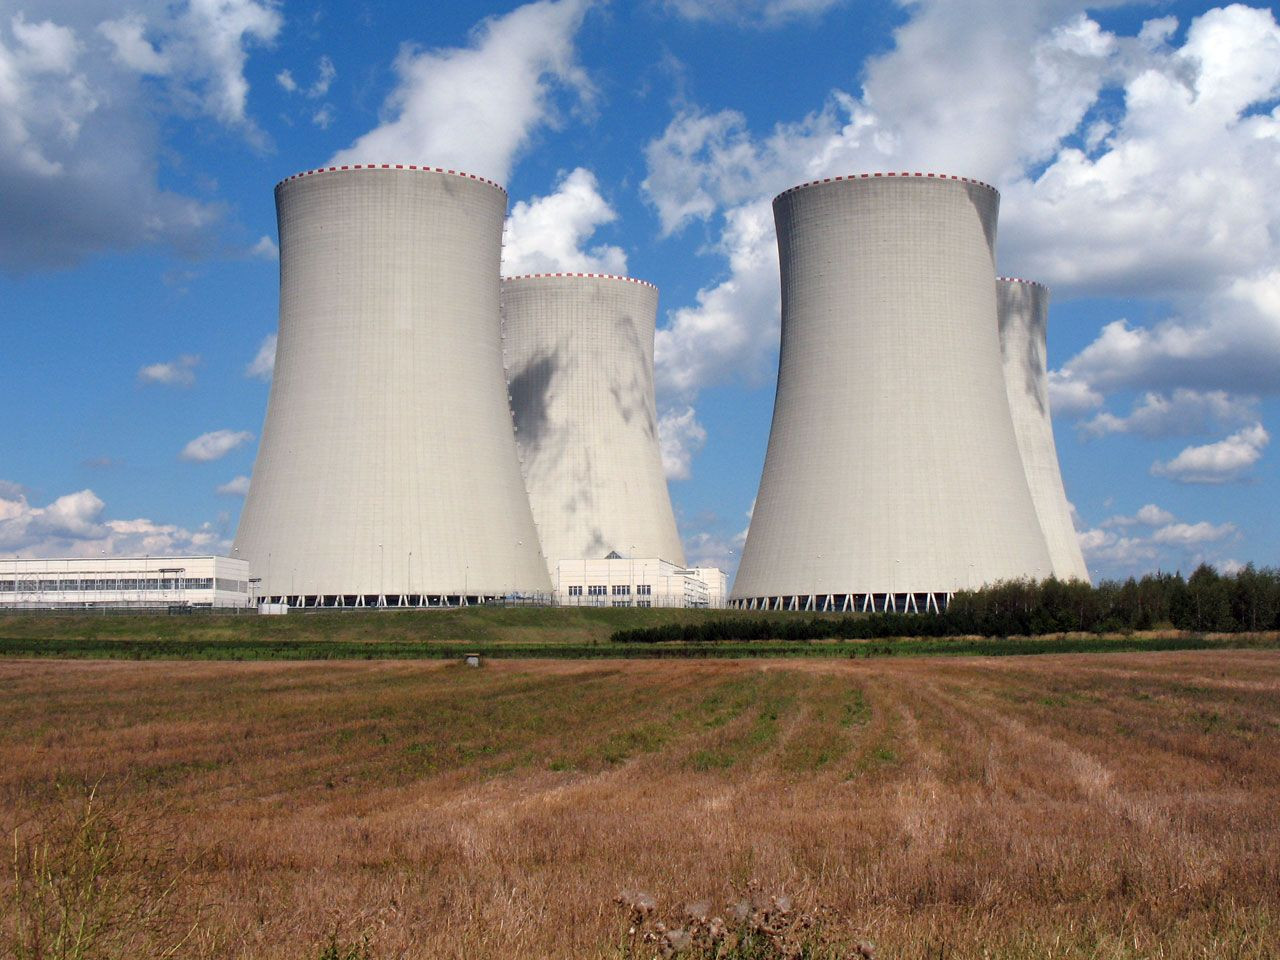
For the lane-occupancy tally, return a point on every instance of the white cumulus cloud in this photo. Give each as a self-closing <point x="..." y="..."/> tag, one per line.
<point x="680" y="436"/>
<point x="1219" y="462"/>
<point x="263" y="364"/>
<point x="235" y="487"/>
<point x="214" y="445"/>
<point x="74" y="525"/>
<point x="1179" y="413"/>
<point x="548" y="234"/>
<point x="475" y="108"/>
<point x="176" y="373"/>
<point x="265" y="249"/>
<point x="84" y="95"/>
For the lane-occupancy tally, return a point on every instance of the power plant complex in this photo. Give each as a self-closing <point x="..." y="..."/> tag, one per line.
<point x="439" y="436"/>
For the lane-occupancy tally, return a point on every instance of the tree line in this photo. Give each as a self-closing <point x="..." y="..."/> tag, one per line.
<point x="1208" y="601"/>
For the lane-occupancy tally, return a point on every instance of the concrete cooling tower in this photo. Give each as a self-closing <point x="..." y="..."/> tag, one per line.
<point x="387" y="470"/>
<point x="1024" y="311"/>
<point x="579" y="351"/>
<point x="892" y="477"/>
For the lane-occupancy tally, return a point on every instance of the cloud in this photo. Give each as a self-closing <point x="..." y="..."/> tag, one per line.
<point x="325" y="74"/>
<point x="1233" y="344"/>
<point x="1180" y="413"/>
<point x="1179" y="196"/>
<point x="680" y="436"/>
<point x="1219" y="462"/>
<point x="758" y="13"/>
<point x="1149" y="515"/>
<point x="263" y="364"/>
<point x="1071" y="397"/>
<point x="235" y="487"/>
<point x="323" y="117"/>
<point x="214" y="445"/>
<point x="131" y="48"/>
<point x="93" y="86"/>
<point x="1193" y="534"/>
<point x="265" y="249"/>
<point x="1166" y="542"/>
<point x="547" y="234"/>
<point x="73" y="525"/>
<point x="177" y="373"/>
<point x="476" y="107"/>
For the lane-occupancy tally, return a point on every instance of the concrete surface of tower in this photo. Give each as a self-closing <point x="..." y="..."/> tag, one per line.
<point x="388" y="465"/>
<point x="579" y="351"/>
<point x="1023" y="307"/>
<point x="892" y="472"/>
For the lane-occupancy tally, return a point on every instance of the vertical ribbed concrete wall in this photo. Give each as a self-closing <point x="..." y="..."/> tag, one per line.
<point x="892" y="464"/>
<point x="388" y="464"/>
<point x="1023" y="308"/>
<point x="579" y="351"/>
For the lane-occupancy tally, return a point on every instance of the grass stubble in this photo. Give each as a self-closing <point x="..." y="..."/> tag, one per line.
<point x="1102" y="806"/>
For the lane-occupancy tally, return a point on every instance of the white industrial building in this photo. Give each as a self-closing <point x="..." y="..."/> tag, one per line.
<point x="1023" y="307"/>
<point x="387" y="473"/>
<point x="893" y="476"/>
<point x="618" y="581"/>
<point x="142" y="582"/>
<point x="579" y="354"/>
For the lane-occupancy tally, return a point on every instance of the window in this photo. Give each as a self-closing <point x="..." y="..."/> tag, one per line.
<point x="622" y="589"/>
<point x="643" y="589"/>
<point x="644" y="603"/>
<point x="575" y="591"/>
<point x="622" y="603"/>
<point x="597" y="590"/>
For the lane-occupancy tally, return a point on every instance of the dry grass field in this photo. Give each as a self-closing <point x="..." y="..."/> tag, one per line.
<point x="1101" y="806"/>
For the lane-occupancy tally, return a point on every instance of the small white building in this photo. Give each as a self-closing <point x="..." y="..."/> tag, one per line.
<point x="125" y="582"/>
<point x="617" y="581"/>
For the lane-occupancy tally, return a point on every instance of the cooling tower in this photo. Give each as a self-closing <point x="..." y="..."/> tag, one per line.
<point x="579" y="350"/>
<point x="388" y="465"/>
<point x="892" y="476"/>
<point x="1024" y="311"/>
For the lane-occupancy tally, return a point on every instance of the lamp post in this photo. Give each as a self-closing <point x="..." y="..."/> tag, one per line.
<point x="409" y="578"/>
<point x="382" y="577"/>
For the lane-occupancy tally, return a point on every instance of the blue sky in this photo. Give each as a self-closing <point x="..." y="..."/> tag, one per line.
<point x="1137" y="148"/>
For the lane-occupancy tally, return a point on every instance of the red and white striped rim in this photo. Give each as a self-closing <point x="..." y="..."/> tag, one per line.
<point x="873" y="176"/>
<point x="591" y="276"/>
<point x="392" y="166"/>
<point x="1029" y="283"/>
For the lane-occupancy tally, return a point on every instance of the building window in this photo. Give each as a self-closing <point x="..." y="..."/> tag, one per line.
<point x="622" y="589"/>
<point x="622" y="603"/>
<point x="643" y="589"/>
<point x="597" y="590"/>
<point x="644" y="603"/>
<point x="575" y="591"/>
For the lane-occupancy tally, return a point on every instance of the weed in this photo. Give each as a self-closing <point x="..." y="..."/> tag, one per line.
<point x="83" y="887"/>
<point x="750" y="927"/>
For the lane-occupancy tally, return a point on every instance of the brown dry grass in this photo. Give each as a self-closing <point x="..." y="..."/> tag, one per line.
<point x="1075" y="806"/>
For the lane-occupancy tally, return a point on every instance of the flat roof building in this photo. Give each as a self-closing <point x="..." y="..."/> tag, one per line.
<point x="121" y="582"/>
<point x="617" y="581"/>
